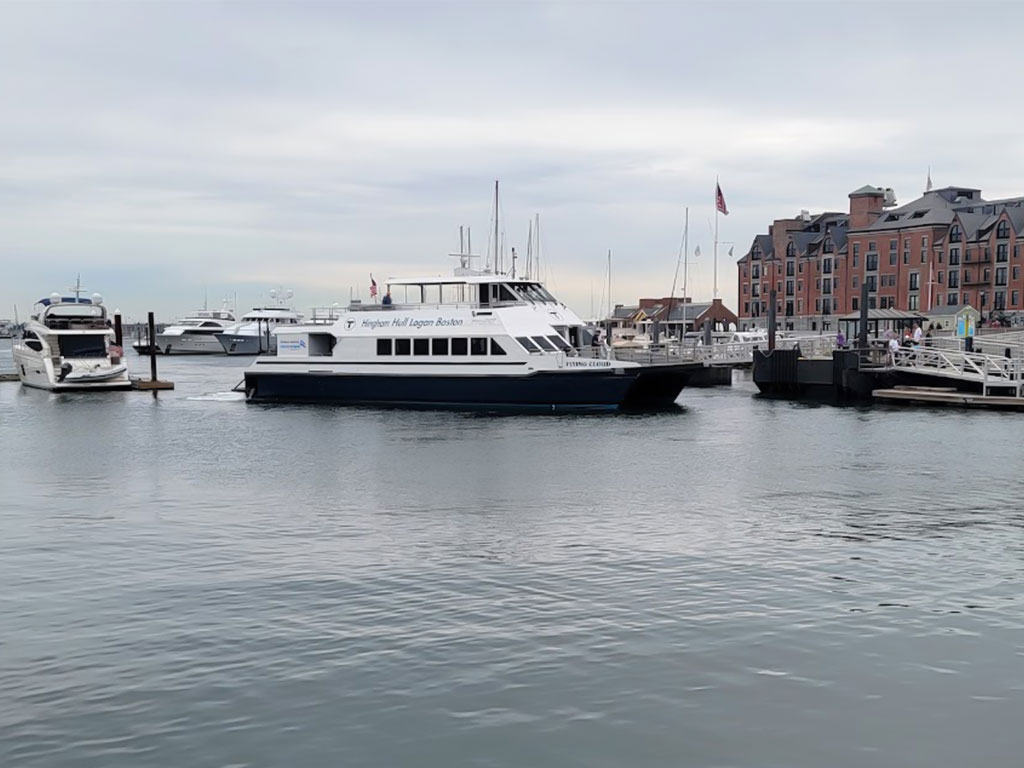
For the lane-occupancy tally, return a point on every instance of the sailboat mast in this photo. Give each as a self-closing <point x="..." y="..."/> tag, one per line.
<point x="686" y="264"/>
<point x="609" y="286"/>
<point x="497" y="252"/>
<point x="536" y="234"/>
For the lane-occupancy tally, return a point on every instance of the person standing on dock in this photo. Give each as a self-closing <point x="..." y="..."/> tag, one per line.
<point x="917" y="334"/>
<point x="840" y="340"/>
<point x="894" y="347"/>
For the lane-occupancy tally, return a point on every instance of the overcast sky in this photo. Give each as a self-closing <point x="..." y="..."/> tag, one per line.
<point x="170" y="150"/>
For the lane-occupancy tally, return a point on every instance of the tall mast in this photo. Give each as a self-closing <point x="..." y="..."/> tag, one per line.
<point x="497" y="252"/>
<point x="609" y="285"/>
<point x="536" y="234"/>
<point x="686" y="265"/>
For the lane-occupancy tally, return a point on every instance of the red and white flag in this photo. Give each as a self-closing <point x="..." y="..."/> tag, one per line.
<point x="720" y="200"/>
<point x="373" y="287"/>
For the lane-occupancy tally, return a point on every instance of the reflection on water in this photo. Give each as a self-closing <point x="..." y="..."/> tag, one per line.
<point x="189" y="580"/>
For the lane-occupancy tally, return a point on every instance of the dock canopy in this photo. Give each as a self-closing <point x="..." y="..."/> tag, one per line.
<point x="881" y="320"/>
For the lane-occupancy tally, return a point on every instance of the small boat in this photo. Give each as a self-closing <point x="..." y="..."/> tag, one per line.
<point x="252" y="335"/>
<point x="69" y="345"/>
<point x="194" y="335"/>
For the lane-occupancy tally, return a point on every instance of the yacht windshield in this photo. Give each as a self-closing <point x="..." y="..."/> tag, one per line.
<point x="94" y="345"/>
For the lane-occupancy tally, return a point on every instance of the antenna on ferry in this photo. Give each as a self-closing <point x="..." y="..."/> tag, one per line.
<point x="536" y="234"/>
<point x="529" y="249"/>
<point x="462" y="248"/>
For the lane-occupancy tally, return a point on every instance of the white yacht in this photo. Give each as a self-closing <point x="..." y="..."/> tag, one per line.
<point x="195" y="335"/>
<point x="253" y="334"/>
<point x="477" y="340"/>
<point x="68" y="344"/>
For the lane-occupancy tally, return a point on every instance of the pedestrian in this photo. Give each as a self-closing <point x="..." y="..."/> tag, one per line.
<point x="894" y="347"/>
<point x="386" y="301"/>
<point x="841" y="340"/>
<point x="917" y="334"/>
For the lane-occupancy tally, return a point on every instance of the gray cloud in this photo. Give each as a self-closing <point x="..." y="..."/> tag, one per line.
<point x="164" y="149"/>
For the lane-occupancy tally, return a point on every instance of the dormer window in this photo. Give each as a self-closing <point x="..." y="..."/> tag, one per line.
<point x="790" y="249"/>
<point x="1002" y="229"/>
<point x="827" y="246"/>
<point x="955" y="233"/>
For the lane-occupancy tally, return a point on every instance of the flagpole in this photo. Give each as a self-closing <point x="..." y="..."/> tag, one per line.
<point x="716" y="236"/>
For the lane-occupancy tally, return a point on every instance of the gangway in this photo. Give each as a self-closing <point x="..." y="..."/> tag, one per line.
<point x="989" y="372"/>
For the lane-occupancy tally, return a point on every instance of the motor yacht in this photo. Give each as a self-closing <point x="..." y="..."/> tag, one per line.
<point x="252" y="335"/>
<point x="68" y="344"/>
<point x="193" y="335"/>
<point x="476" y="340"/>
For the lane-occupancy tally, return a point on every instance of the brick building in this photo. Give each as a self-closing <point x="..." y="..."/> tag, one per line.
<point x="948" y="247"/>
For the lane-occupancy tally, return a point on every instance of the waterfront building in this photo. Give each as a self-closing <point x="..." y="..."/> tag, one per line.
<point x="947" y="248"/>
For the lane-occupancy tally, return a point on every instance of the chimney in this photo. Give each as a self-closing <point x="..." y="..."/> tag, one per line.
<point x="865" y="206"/>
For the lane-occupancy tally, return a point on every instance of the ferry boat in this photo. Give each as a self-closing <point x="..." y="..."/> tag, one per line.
<point x="253" y="335"/>
<point x="69" y="344"/>
<point x="194" y="335"/>
<point x="473" y="341"/>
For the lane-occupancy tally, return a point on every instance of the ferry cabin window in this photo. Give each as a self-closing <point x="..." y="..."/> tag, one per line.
<point x="452" y="293"/>
<point x="505" y="294"/>
<point x="560" y="343"/>
<point x="526" y="344"/>
<point x="431" y="294"/>
<point x="496" y="348"/>
<point x="383" y="346"/>
<point x="83" y="346"/>
<point x="403" y="346"/>
<point x="460" y="346"/>
<point x="421" y="346"/>
<point x="439" y="346"/>
<point x="478" y="346"/>
<point x="543" y="343"/>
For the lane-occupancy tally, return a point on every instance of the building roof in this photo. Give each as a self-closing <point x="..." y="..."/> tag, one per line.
<point x="947" y="309"/>
<point x="867" y="190"/>
<point x="884" y="314"/>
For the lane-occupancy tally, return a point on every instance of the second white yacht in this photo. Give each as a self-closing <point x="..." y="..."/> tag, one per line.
<point x="195" y="335"/>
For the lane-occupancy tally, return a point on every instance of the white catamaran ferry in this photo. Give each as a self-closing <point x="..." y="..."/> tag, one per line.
<point x="476" y="340"/>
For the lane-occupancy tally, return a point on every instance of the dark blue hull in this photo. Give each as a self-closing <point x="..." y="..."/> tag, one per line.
<point x="634" y="389"/>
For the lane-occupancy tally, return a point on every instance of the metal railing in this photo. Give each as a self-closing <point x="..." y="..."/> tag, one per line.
<point x="990" y="371"/>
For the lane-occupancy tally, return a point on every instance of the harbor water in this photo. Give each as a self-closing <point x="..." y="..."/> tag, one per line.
<point x="188" y="580"/>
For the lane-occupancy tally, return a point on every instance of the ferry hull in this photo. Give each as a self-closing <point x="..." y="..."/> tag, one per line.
<point x="633" y="389"/>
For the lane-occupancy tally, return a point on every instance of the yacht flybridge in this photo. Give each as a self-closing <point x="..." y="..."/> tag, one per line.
<point x="68" y="344"/>
<point x="476" y="340"/>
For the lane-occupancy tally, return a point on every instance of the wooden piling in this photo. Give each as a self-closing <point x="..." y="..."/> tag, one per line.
<point x="773" y="297"/>
<point x="862" y="331"/>
<point x="152" y="346"/>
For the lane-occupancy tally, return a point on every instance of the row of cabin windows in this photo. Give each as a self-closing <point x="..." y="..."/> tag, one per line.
<point x="439" y="347"/>
<point x="469" y="293"/>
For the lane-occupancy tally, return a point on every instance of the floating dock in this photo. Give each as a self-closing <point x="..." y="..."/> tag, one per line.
<point x="947" y="396"/>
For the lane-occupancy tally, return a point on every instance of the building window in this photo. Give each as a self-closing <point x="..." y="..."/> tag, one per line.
<point x="789" y="287"/>
<point x="1001" y="276"/>
<point x="938" y="256"/>
<point x="854" y="281"/>
<point x="967" y="298"/>
<point x="1002" y="229"/>
<point x="856" y="258"/>
<point x="744" y="289"/>
<point x="789" y="269"/>
<point x="827" y="246"/>
<point x="906" y="257"/>
<point x="951" y="300"/>
<point x="817" y="306"/>
<point x="955" y="234"/>
<point x="872" y="245"/>
<point x="967" y="276"/>
<point x="939" y="277"/>
<point x="1015" y="298"/>
<point x="790" y="249"/>
<point x="856" y="250"/>
<point x="954" y="256"/>
<point x="746" y="308"/>
<point x="755" y="272"/>
<point x="826" y="266"/>
<point x="999" y="300"/>
<point x="912" y="302"/>
<point x="855" y="303"/>
<point x="984" y="299"/>
<point x="800" y="286"/>
<point x="872" y="262"/>
<point x="1016" y="251"/>
<point x="893" y="245"/>
<point x="1001" y="252"/>
<point x="915" y="282"/>
<point x="924" y="243"/>
<point x="826" y="286"/>
<point x="1016" y="273"/>
<point x="872" y="282"/>
<point x="954" y="279"/>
